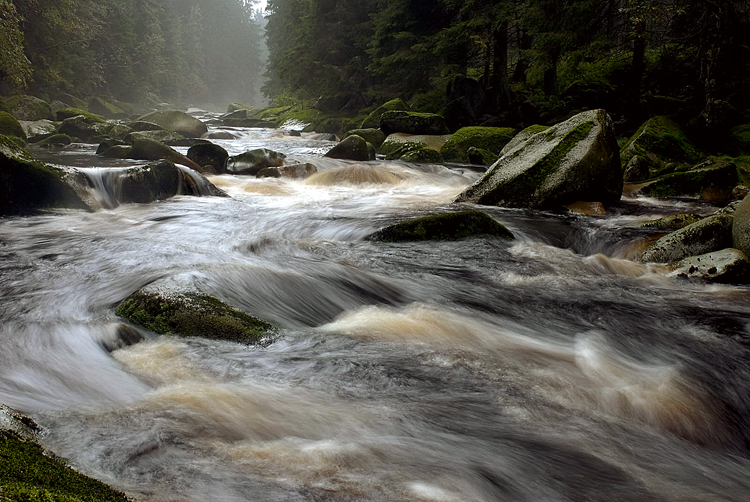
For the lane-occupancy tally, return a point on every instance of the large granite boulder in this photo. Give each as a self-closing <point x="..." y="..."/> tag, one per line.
<point x="492" y="139"/>
<point x="211" y="157"/>
<point x="712" y="180"/>
<point x="704" y="236"/>
<point x="352" y="148"/>
<point x="441" y="227"/>
<point x="373" y="119"/>
<point x="177" y="121"/>
<point x="253" y="161"/>
<point x="422" y="156"/>
<point x="27" y="185"/>
<point x="28" y="108"/>
<point x="575" y="160"/>
<point x="412" y="123"/>
<point x="522" y="137"/>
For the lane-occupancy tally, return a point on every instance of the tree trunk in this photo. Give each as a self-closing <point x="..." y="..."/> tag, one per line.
<point x="501" y="92"/>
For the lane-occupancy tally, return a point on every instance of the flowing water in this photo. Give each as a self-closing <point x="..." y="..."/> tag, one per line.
<point x="547" y="368"/>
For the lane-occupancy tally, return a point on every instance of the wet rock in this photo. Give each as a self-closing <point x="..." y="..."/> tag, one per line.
<point x="297" y="171"/>
<point x="252" y="161"/>
<point x="413" y="123"/>
<point x="211" y="157"/>
<point x="728" y="266"/>
<point x="587" y="208"/>
<point x="660" y="141"/>
<point x="177" y="121"/>
<point x="449" y="226"/>
<point x="404" y="142"/>
<point x="89" y="117"/>
<point x="119" y="132"/>
<point x="162" y="136"/>
<point x="269" y="172"/>
<point x="741" y="226"/>
<point x="144" y="125"/>
<point x="38" y="130"/>
<point x="220" y="135"/>
<point x="492" y="139"/>
<point x="705" y="236"/>
<point x="105" y="145"/>
<point x="55" y="141"/>
<point x="324" y="136"/>
<point x="712" y="180"/>
<point x="375" y="137"/>
<point x="192" y="314"/>
<point x="373" y="120"/>
<point x="125" y="336"/>
<point x="352" y="148"/>
<point x="672" y="222"/>
<point x="422" y="156"/>
<point x="106" y="109"/>
<point x="82" y="128"/>
<point x="113" y="151"/>
<point x="148" y="149"/>
<point x="27" y="185"/>
<point x="637" y="169"/>
<point x="28" y="108"/>
<point x="574" y="160"/>
<point x="9" y="126"/>
<point x="522" y="136"/>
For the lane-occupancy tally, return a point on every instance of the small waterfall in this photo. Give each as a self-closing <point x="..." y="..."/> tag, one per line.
<point x="106" y="184"/>
<point x="193" y="183"/>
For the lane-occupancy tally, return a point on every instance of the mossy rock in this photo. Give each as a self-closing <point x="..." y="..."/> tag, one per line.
<point x="740" y="137"/>
<point x="119" y="131"/>
<point x="28" y="108"/>
<point x="161" y="135"/>
<point x="55" y="141"/>
<point x="252" y="161"/>
<point x="712" y="180"/>
<point x="661" y="141"/>
<point x="352" y="148"/>
<point x="177" y="121"/>
<point x="149" y="149"/>
<point x="373" y="119"/>
<point x="492" y="139"/>
<point x="104" y="108"/>
<point x="39" y="129"/>
<point x="28" y="474"/>
<point x="481" y="157"/>
<point x="576" y="160"/>
<point x="144" y="125"/>
<point x="233" y="107"/>
<point x="522" y="137"/>
<point x="10" y="126"/>
<point x="375" y="137"/>
<point x="705" y="236"/>
<point x="27" y="185"/>
<point x="422" y="156"/>
<point x="413" y="123"/>
<point x="441" y="227"/>
<point x="672" y="222"/>
<point x="402" y="142"/>
<point x="89" y="118"/>
<point x="82" y="128"/>
<point x="192" y="314"/>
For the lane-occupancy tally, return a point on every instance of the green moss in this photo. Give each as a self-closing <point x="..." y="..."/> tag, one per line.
<point x="193" y="315"/>
<point x="663" y="138"/>
<point x="56" y="140"/>
<point x="9" y="126"/>
<point x="492" y="139"/>
<point x="394" y="151"/>
<point x="90" y="118"/>
<point x="376" y="137"/>
<point x="480" y="156"/>
<point x="450" y="226"/>
<point x="373" y="119"/>
<point x="28" y="475"/>
<point x="423" y="155"/>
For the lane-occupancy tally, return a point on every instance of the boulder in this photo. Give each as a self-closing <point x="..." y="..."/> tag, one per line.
<point x="253" y="161"/>
<point x="522" y="137"/>
<point x="161" y="135"/>
<point x="574" y="160"/>
<point x="157" y="181"/>
<point x="212" y="158"/>
<point x="422" y="156"/>
<point x="220" y="135"/>
<point x="728" y="266"/>
<point x="672" y="222"/>
<point x="113" y="151"/>
<point x="55" y="141"/>
<point x="119" y="131"/>
<point x="660" y="141"/>
<point x="352" y="148"/>
<point x="449" y="226"/>
<point x="375" y="137"/>
<point x="27" y="185"/>
<point x="297" y="171"/>
<point x="144" y="125"/>
<point x="373" y="119"/>
<point x="492" y="139"/>
<point x="108" y="143"/>
<point x="712" y="180"/>
<point x="89" y="117"/>
<point x="101" y="107"/>
<point x="9" y="126"/>
<point x="412" y="123"/>
<point x="148" y="149"/>
<point x="233" y="107"/>
<point x="481" y="157"/>
<point x="705" y="236"/>
<point x="177" y="121"/>
<point x="38" y="130"/>
<point x="80" y="127"/>
<point x="28" y="108"/>
<point x="192" y="314"/>
<point x="741" y="226"/>
<point x="397" y="141"/>
<point x="637" y="169"/>
<point x="269" y="172"/>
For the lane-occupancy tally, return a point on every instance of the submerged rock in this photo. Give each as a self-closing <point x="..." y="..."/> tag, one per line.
<point x="192" y="314"/>
<point x="729" y="266"/>
<point x="297" y="171"/>
<point x="491" y="139"/>
<point x="574" y="160"/>
<point x="705" y="236"/>
<point x="177" y="121"/>
<point x="252" y="161"/>
<point x="449" y="226"/>
<point x="352" y="148"/>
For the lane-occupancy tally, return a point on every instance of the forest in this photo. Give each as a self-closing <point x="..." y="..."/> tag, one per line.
<point x="199" y="52"/>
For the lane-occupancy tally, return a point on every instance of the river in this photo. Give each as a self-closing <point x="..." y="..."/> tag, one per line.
<point x="548" y="368"/>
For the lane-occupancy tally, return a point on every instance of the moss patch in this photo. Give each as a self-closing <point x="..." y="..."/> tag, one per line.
<point x="373" y="119"/>
<point x="28" y="475"/>
<point x="450" y="226"/>
<point x="90" y="118"/>
<point x="492" y="139"/>
<point x="660" y="139"/>
<point x="193" y="315"/>
<point x="9" y="126"/>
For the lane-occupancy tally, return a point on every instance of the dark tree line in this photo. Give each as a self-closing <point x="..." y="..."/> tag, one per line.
<point x="198" y="51"/>
<point x="634" y="57"/>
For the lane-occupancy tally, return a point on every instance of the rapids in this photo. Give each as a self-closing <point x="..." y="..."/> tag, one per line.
<point x="548" y="368"/>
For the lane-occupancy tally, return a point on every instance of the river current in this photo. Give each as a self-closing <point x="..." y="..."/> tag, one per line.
<point x="549" y="368"/>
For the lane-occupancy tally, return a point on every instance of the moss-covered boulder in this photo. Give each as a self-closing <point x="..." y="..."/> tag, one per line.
<point x="522" y="136"/>
<point x="402" y="142"/>
<point x="574" y="160"/>
<point x="28" y="108"/>
<point x="27" y="185"/>
<point x="412" y="123"/>
<point x="29" y="474"/>
<point x="211" y="157"/>
<point x="192" y="314"/>
<point x="252" y="161"/>
<point x="672" y="222"/>
<point x="55" y="141"/>
<point x="177" y="121"/>
<point x="352" y="148"/>
<point x="9" y="126"/>
<point x="740" y="137"/>
<point x="104" y="108"/>
<point x="119" y="132"/>
<point x="705" y="236"/>
<point x="233" y="107"/>
<point x="373" y="119"/>
<point x="492" y="139"/>
<point x="449" y="226"/>
<point x="161" y="135"/>
<point x="727" y="266"/>
<point x="375" y="137"/>
<point x="422" y="156"/>
<point x="712" y="180"/>
<point x="83" y="129"/>
<point x="144" y="125"/>
<point x="89" y="117"/>
<point x="481" y="157"/>
<point x="38" y="130"/>
<point x="148" y="149"/>
<point x="660" y="141"/>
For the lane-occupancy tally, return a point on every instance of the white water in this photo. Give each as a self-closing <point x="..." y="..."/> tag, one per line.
<point x="550" y="368"/>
